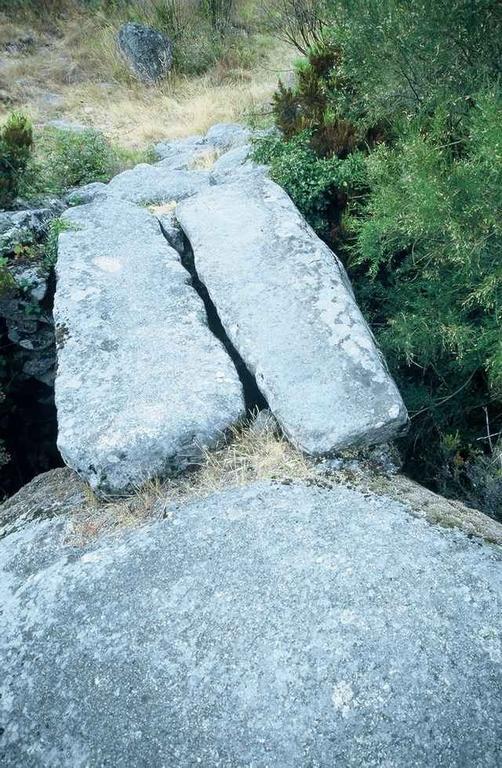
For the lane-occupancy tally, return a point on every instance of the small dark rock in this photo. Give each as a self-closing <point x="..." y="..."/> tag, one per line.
<point x="148" y="52"/>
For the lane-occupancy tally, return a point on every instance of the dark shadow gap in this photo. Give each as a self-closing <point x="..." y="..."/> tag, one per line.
<point x="28" y="419"/>
<point x="253" y="397"/>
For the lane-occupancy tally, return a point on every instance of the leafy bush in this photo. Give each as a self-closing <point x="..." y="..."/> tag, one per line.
<point x="427" y="259"/>
<point x="320" y="187"/>
<point x="70" y="158"/>
<point x="16" y="140"/>
<point x="399" y="108"/>
<point x="64" y="158"/>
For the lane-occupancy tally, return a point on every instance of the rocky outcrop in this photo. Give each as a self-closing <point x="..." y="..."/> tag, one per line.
<point x="146" y="184"/>
<point x="26" y="226"/>
<point x="142" y="383"/>
<point x="222" y="137"/>
<point x="271" y="625"/>
<point x="288" y="308"/>
<point x="147" y="51"/>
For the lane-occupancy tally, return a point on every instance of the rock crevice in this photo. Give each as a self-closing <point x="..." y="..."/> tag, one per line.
<point x="253" y="397"/>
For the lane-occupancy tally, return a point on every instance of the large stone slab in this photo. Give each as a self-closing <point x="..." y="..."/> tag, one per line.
<point x="146" y="184"/>
<point x="287" y="305"/>
<point x="270" y="626"/>
<point x="142" y="383"/>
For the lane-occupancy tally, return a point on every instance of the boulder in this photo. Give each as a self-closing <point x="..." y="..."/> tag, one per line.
<point x="287" y="306"/>
<point x="147" y="184"/>
<point x="142" y="384"/>
<point x="27" y="225"/>
<point x="225" y="136"/>
<point x="147" y="51"/>
<point x="268" y="626"/>
<point x="232" y="159"/>
<point x="179" y="154"/>
<point x="87" y="193"/>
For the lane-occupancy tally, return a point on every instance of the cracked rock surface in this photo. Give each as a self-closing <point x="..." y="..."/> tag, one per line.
<point x="142" y="383"/>
<point x="269" y="626"/>
<point x="286" y="304"/>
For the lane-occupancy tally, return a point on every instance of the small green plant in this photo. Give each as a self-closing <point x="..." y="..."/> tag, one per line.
<point x="68" y="158"/>
<point x="16" y="141"/>
<point x="50" y="252"/>
<point x="323" y="188"/>
<point x="64" y="158"/>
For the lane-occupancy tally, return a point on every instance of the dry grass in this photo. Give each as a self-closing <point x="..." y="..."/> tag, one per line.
<point x="246" y="457"/>
<point x="163" y="209"/>
<point x="73" y="71"/>
<point x="204" y="161"/>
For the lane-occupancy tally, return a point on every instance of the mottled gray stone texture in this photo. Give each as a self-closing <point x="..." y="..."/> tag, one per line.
<point x="146" y="184"/>
<point x="142" y="383"/>
<point x="147" y="51"/>
<point x="269" y="626"/>
<point x="287" y="306"/>
<point x="225" y="136"/>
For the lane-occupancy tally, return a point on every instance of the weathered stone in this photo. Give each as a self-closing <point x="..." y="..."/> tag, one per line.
<point x="146" y="184"/>
<point x="232" y="159"/>
<point x="287" y="306"/>
<point x="267" y="626"/>
<point x="70" y="126"/>
<point x="225" y="136"/>
<point x="58" y="492"/>
<point x="180" y="154"/>
<point x="148" y="52"/>
<point x="172" y="230"/>
<point x="86" y="194"/>
<point x="142" y="383"/>
<point x="23" y="227"/>
<point x="172" y="147"/>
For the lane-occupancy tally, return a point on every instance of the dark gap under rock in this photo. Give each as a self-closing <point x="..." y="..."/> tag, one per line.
<point x="253" y="398"/>
<point x="28" y="420"/>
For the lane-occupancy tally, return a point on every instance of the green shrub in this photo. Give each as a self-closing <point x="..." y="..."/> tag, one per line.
<point x="16" y="140"/>
<point x="323" y="188"/>
<point x="68" y="158"/>
<point x="430" y="247"/>
<point x="402" y="101"/>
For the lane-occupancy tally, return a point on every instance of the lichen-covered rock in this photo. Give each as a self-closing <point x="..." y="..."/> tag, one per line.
<point x="142" y="384"/>
<point x="146" y="184"/>
<point x="271" y="625"/>
<point x="287" y="306"/>
<point x="26" y="226"/>
<point x="86" y="194"/>
<point x="180" y="154"/>
<point x="225" y="136"/>
<point x="147" y="51"/>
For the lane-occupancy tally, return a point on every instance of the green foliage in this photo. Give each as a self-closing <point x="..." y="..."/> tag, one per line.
<point x="407" y="55"/>
<point x="64" y="158"/>
<point x="402" y="102"/>
<point x="428" y="260"/>
<point x="320" y="187"/>
<point x="55" y="228"/>
<point x="67" y="158"/>
<point x="16" y="139"/>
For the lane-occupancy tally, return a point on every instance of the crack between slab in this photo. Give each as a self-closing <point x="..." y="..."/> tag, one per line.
<point x="253" y="397"/>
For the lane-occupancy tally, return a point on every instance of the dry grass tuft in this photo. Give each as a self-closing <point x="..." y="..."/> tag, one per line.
<point x="204" y="161"/>
<point x="247" y="456"/>
<point x="162" y="209"/>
